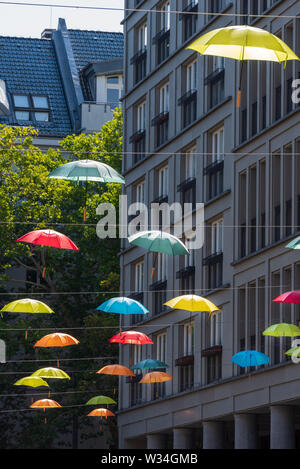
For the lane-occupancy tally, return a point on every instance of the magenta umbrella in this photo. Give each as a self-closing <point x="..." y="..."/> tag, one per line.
<point x="288" y="297"/>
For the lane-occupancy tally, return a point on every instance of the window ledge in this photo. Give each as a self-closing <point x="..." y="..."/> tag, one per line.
<point x="214" y="199"/>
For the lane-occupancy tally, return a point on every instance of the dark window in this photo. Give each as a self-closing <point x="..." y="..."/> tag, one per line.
<point x="214" y="172"/>
<point x="138" y="139"/>
<point x="244" y="125"/>
<point x="288" y="217"/>
<point x="277" y="223"/>
<point x="188" y="191"/>
<point x="161" y="123"/>
<point x="189" y="20"/>
<point x="254" y="118"/>
<point x="264" y="113"/>
<point x="215" y="83"/>
<point x="243" y="240"/>
<point x="214" y="368"/>
<point x="187" y="279"/>
<point x="160" y="296"/>
<point x="278" y="102"/>
<point x="139" y="61"/>
<point x="253" y="235"/>
<point x="158" y="390"/>
<point x="214" y="267"/>
<point x="188" y="102"/>
<point x="136" y="390"/>
<point x="31" y="107"/>
<point x="135" y="318"/>
<point x="186" y="377"/>
<point x="162" y="41"/>
<point x="216" y="6"/>
<point x="289" y="91"/>
<point x="263" y="230"/>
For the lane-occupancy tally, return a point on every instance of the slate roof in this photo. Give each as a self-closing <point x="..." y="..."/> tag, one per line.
<point x="29" y="66"/>
<point x="95" y="46"/>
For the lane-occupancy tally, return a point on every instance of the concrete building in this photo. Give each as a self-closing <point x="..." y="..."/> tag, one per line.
<point x="186" y="141"/>
<point x="69" y="81"/>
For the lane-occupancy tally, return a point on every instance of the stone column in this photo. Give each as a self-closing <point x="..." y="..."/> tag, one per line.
<point x="245" y="431"/>
<point x="282" y="427"/>
<point x="213" y="435"/>
<point x="183" y="438"/>
<point x="156" y="441"/>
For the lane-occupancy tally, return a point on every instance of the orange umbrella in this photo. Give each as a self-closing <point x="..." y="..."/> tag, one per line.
<point x="101" y="413"/>
<point x="44" y="404"/>
<point x="56" y="340"/>
<point x="115" y="370"/>
<point x="156" y="377"/>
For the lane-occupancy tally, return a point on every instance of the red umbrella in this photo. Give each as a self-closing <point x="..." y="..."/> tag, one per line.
<point x="288" y="297"/>
<point x="131" y="337"/>
<point x="48" y="238"/>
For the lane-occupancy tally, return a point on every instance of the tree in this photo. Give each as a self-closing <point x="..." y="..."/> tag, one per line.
<point x="30" y="200"/>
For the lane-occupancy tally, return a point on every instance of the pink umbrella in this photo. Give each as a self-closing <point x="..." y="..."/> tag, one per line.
<point x="288" y="297"/>
<point x="131" y="337"/>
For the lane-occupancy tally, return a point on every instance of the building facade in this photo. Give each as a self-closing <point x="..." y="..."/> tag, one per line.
<point x="186" y="141"/>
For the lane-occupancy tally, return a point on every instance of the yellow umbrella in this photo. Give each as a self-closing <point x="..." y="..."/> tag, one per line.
<point x="50" y="372"/>
<point x="32" y="381"/>
<point x="192" y="303"/>
<point x="282" y="330"/>
<point x="243" y="43"/>
<point x="26" y="305"/>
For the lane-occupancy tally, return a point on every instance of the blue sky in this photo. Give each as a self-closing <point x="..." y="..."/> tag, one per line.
<point x="30" y="21"/>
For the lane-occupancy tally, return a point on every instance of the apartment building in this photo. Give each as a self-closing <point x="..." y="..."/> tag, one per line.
<point x="185" y="140"/>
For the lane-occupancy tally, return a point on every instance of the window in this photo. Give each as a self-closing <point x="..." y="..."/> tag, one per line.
<point x="31" y="107"/>
<point x="114" y="87"/>
<point x="139" y="276"/>
<point x="140" y="58"/>
<point x="161" y="266"/>
<point x="217" y="236"/>
<point x="138" y="139"/>
<point x="189" y="99"/>
<point x="142" y="37"/>
<point x="165" y="16"/>
<point x="161" y="347"/>
<point x="215" y="167"/>
<point x="163" y="181"/>
<point x="215" y="80"/>
<point x="189" y="19"/>
<point x="140" y="192"/>
<point x="218" y="145"/>
<point x="188" y="339"/>
<point x="215" y="337"/>
<point x="190" y="163"/>
<point x="161" y="121"/>
<point x="137" y="354"/>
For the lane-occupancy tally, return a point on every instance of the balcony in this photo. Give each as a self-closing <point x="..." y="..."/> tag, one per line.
<point x="94" y="115"/>
<point x="185" y="360"/>
<point x="186" y="271"/>
<point x="211" y="351"/>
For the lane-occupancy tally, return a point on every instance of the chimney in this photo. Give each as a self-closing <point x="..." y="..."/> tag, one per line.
<point x="47" y="33"/>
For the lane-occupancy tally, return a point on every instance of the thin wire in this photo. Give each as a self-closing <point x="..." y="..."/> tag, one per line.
<point x="54" y="393"/>
<point x="144" y="10"/>
<point x="59" y="359"/>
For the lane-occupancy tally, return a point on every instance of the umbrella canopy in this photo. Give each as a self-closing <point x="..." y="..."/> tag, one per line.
<point x="98" y="400"/>
<point x="56" y="340"/>
<point x="295" y="351"/>
<point x="26" y="305"/>
<point x="159" y="241"/>
<point x="192" y="303"/>
<point x="294" y="244"/>
<point x="51" y="373"/>
<point x="131" y="337"/>
<point x="87" y="170"/>
<point x="250" y="358"/>
<point x="123" y="305"/>
<point x="116" y="369"/>
<point x="288" y="297"/>
<point x="45" y="404"/>
<point x="32" y="381"/>
<point x="243" y="43"/>
<point x="282" y="330"/>
<point x="48" y="238"/>
<point x="101" y="413"/>
<point x="149" y="364"/>
<point x="156" y="377"/>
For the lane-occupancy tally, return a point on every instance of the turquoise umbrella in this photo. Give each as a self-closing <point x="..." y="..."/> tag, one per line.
<point x="87" y="170"/>
<point x="294" y="244"/>
<point x="123" y="305"/>
<point x="158" y="241"/>
<point x="149" y="364"/>
<point x="250" y="358"/>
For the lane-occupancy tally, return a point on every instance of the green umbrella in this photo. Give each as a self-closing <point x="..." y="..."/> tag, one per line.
<point x="100" y="400"/>
<point x="294" y="244"/>
<point x="158" y="241"/>
<point x="294" y="351"/>
<point x="87" y="170"/>
<point x="282" y="330"/>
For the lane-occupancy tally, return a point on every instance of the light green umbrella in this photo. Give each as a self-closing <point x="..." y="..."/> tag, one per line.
<point x="158" y="241"/>
<point x="100" y="400"/>
<point x="87" y="170"/>
<point x="282" y="330"/>
<point x="294" y="244"/>
<point x="295" y="351"/>
<point x="50" y="372"/>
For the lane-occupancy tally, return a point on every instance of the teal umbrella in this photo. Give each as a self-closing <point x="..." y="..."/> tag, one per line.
<point x="294" y="244"/>
<point x="158" y="241"/>
<point x="123" y="305"/>
<point x="149" y="364"/>
<point x="99" y="400"/>
<point x="87" y="170"/>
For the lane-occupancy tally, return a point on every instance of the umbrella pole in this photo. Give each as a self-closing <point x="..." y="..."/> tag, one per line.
<point x="239" y="95"/>
<point x="84" y="210"/>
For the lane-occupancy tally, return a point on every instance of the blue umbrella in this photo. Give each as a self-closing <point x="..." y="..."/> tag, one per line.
<point x="250" y="358"/>
<point x="149" y="364"/>
<point x="123" y="305"/>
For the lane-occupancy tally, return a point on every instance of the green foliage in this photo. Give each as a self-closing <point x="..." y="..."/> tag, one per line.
<point x="30" y="200"/>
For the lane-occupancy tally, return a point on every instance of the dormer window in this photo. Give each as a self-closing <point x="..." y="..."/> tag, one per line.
<point x="31" y="107"/>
